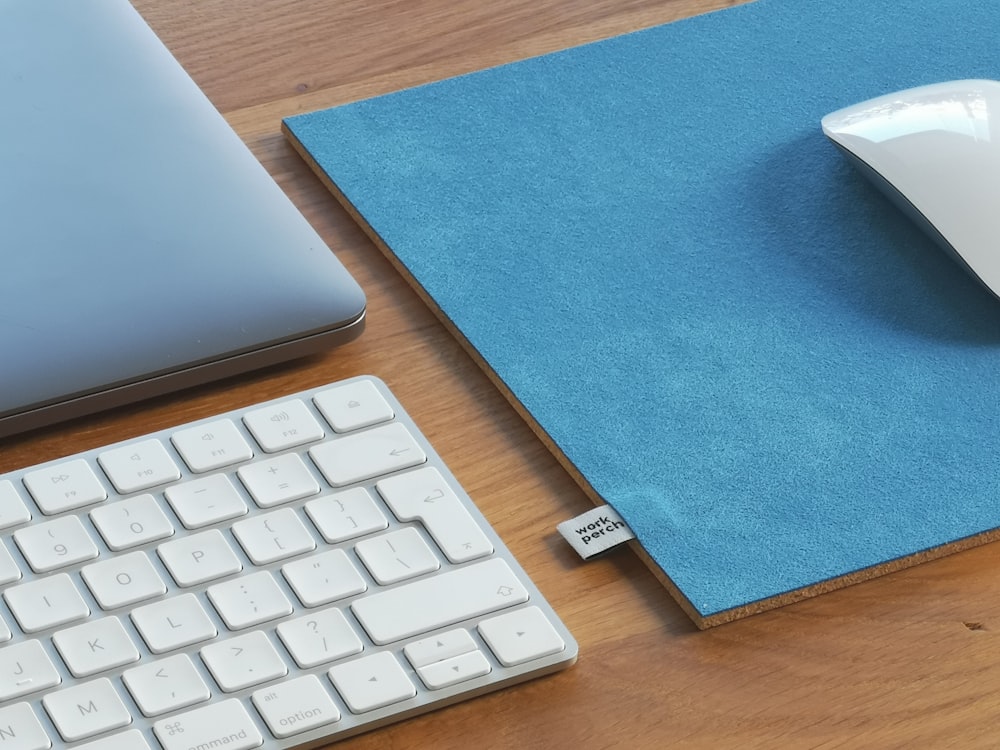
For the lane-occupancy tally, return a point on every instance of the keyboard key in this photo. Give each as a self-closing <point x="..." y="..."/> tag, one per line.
<point x="84" y="710"/>
<point x="166" y="685"/>
<point x="283" y="425"/>
<point x="55" y="544"/>
<point x="439" y="647"/>
<point x="396" y="556"/>
<point x="226" y="724"/>
<point x="371" y="682"/>
<point x="319" y="638"/>
<point x="131" y="522"/>
<point x="13" y="511"/>
<point x="65" y="486"/>
<point x="273" y="536"/>
<point x="211" y="446"/>
<point x="278" y="480"/>
<point x="173" y="623"/>
<point x="439" y="601"/>
<point x="424" y="495"/>
<point x="138" y="466"/>
<point x="9" y="572"/>
<point x="130" y="740"/>
<point x="368" y="454"/>
<point x="20" y="723"/>
<point x="249" y="600"/>
<point x="346" y="515"/>
<point x="123" y="580"/>
<point x="95" y="646"/>
<point x="197" y="559"/>
<point x="243" y="662"/>
<point x="25" y="668"/>
<point x="296" y="706"/>
<point x="442" y="674"/>
<point x="353" y="406"/>
<point x="520" y="636"/>
<point x="49" y="602"/>
<point x="323" y="578"/>
<point x="205" y="501"/>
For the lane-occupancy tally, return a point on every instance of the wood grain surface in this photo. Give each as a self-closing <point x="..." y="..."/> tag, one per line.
<point x="909" y="660"/>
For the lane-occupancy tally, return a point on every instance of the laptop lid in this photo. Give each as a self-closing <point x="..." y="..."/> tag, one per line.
<point x="142" y="246"/>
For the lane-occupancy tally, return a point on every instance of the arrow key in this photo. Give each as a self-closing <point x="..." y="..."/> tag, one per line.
<point x="457" y="669"/>
<point x="439" y="647"/>
<point x="372" y="682"/>
<point x="520" y="636"/>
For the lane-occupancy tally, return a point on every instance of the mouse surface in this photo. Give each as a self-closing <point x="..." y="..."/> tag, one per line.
<point x="935" y="152"/>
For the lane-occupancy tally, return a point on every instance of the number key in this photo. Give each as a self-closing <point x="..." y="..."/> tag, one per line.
<point x="131" y="522"/>
<point x="55" y="544"/>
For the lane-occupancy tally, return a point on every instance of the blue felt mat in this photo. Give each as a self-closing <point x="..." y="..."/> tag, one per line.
<point x="741" y="345"/>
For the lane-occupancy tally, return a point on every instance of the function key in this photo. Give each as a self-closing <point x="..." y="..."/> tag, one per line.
<point x="211" y="446"/>
<point x="353" y="406"/>
<point x="13" y="511"/>
<point x="283" y="425"/>
<point x="138" y="466"/>
<point x="65" y="486"/>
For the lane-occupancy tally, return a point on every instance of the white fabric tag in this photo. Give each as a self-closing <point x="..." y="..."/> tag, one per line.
<point x="596" y="531"/>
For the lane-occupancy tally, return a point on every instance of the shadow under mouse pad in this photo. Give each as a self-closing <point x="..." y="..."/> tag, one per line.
<point x="719" y="325"/>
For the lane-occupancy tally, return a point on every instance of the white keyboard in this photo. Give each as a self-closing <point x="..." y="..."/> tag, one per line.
<point x="277" y="577"/>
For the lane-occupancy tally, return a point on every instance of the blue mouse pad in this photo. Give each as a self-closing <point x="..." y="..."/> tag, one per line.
<point x="733" y="339"/>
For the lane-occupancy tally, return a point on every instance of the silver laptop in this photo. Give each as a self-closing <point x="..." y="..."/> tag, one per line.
<point x="142" y="247"/>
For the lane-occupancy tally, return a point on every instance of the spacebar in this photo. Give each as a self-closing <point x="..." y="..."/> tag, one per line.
<point x="445" y="599"/>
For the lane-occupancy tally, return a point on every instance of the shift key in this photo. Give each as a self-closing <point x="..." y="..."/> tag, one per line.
<point x="430" y="603"/>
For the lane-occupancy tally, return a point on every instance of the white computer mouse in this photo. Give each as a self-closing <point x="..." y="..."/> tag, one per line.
<point x="935" y="152"/>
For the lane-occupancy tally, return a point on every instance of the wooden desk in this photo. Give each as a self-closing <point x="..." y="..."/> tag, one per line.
<point x="910" y="660"/>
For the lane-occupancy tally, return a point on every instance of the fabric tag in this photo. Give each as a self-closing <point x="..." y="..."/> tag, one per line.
<point x="596" y="531"/>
